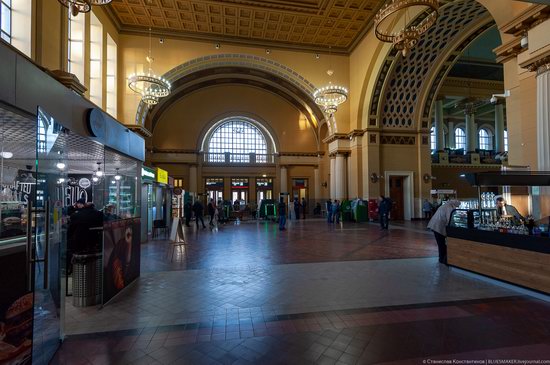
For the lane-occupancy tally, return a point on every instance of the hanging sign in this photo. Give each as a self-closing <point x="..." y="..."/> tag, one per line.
<point x="162" y="176"/>
<point x="147" y="174"/>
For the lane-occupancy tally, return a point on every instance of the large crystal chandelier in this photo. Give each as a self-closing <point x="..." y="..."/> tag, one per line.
<point x="405" y="39"/>
<point x="82" y="6"/>
<point x="150" y="86"/>
<point x="329" y="97"/>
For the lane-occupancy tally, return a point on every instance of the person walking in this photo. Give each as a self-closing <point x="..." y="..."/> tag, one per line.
<point x="304" y="205"/>
<point x="297" y="208"/>
<point x="427" y="209"/>
<point x="211" y="211"/>
<point x="438" y="224"/>
<point x="291" y="211"/>
<point x="281" y="211"/>
<point x="198" y="209"/>
<point x="188" y="212"/>
<point x="384" y="208"/>
<point x="336" y="211"/>
<point x="329" y="211"/>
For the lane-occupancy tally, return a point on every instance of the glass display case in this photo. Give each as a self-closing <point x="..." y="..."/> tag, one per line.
<point x="465" y="218"/>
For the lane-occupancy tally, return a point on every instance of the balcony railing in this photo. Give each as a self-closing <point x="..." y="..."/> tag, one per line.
<point x="238" y="158"/>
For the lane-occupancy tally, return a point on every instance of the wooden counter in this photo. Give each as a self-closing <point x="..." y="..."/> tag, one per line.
<point x="517" y="259"/>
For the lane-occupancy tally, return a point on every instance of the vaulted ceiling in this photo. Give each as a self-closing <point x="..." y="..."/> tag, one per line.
<point x="304" y="24"/>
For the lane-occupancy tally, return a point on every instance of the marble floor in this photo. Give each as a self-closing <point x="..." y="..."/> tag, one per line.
<point x="314" y="294"/>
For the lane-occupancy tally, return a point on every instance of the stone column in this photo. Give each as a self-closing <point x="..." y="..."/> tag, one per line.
<point x="340" y="170"/>
<point x="543" y="116"/>
<point x="284" y="180"/>
<point x="451" y="135"/>
<point x="193" y="179"/>
<point x="316" y="184"/>
<point x="439" y="131"/>
<point x="471" y="132"/>
<point x="499" y="127"/>
<point x="332" y="177"/>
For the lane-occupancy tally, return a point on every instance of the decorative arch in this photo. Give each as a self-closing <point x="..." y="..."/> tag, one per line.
<point x="236" y="69"/>
<point x="406" y="87"/>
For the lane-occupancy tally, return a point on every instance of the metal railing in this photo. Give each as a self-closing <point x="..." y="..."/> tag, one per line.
<point x="238" y="158"/>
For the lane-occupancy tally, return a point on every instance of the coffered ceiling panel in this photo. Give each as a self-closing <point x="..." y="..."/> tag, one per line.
<point x="314" y="24"/>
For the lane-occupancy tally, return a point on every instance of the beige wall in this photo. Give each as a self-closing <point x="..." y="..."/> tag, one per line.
<point x="176" y="52"/>
<point x="183" y="124"/>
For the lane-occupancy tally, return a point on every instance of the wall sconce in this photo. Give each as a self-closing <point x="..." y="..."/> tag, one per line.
<point x="427" y="178"/>
<point x="325" y="184"/>
<point x="374" y="177"/>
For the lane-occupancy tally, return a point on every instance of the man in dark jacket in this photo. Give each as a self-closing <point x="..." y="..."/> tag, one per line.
<point x="198" y="209"/>
<point x="84" y="234"/>
<point x="281" y="212"/>
<point x="384" y="208"/>
<point x="297" y="208"/>
<point x="211" y="211"/>
<point x="188" y="212"/>
<point x="304" y="205"/>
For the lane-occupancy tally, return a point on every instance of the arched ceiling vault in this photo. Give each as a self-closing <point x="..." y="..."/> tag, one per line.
<point x="236" y="69"/>
<point x="406" y="86"/>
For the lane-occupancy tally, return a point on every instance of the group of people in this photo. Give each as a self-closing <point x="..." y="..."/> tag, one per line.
<point x="197" y="209"/>
<point x="297" y="209"/>
<point x="334" y="211"/>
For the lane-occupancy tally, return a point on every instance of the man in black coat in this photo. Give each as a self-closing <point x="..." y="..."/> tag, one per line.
<point x="84" y="234"/>
<point x="198" y="209"/>
<point x="384" y="208"/>
<point x="188" y="212"/>
<point x="211" y="211"/>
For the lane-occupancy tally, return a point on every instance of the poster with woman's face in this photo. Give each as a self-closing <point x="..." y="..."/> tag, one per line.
<point x="121" y="255"/>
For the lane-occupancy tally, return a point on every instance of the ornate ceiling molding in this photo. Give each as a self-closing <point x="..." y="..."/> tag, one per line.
<point x="530" y="18"/>
<point x="311" y="25"/>
<point x="539" y="64"/>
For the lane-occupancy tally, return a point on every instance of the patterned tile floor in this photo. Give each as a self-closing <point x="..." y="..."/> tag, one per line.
<point x="314" y="294"/>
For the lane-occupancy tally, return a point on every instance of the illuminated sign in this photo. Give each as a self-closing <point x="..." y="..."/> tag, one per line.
<point x="147" y="174"/>
<point x="162" y="176"/>
<point x="239" y="183"/>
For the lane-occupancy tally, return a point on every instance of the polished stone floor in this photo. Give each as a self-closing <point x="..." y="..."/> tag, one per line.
<point x="314" y="294"/>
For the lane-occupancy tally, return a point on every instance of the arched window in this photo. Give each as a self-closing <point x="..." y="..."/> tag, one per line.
<point x="240" y="138"/>
<point x="485" y="139"/>
<point x="460" y="138"/>
<point x="5" y="20"/>
<point x="505" y="141"/>
<point x="432" y="139"/>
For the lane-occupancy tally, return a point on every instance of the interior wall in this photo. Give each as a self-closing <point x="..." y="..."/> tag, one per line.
<point x="176" y="52"/>
<point x="183" y="124"/>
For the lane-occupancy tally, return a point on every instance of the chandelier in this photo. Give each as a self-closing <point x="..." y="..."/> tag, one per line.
<point x="150" y="86"/>
<point x="405" y="39"/>
<point x="82" y="6"/>
<point x="329" y="97"/>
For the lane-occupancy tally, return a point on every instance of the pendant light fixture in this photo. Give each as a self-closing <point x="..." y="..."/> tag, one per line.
<point x="329" y="97"/>
<point x="82" y="6"/>
<point x="150" y="86"/>
<point x="117" y="175"/>
<point x="407" y="37"/>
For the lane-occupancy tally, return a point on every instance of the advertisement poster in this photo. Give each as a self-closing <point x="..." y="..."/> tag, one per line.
<point x="121" y="255"/>
<point x="16" y="310"/>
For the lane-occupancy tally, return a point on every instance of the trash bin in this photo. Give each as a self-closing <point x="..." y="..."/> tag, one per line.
<point x="87" y="279"/>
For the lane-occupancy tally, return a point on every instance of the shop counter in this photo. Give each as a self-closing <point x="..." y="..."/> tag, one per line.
<point x="518" y="259"/>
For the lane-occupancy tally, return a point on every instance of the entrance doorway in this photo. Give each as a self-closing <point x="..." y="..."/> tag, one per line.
<point x="397" y="197"/>
<point x="239" y="191"/>
<point x="264" y="189"/>
<point x="214" y="189"/>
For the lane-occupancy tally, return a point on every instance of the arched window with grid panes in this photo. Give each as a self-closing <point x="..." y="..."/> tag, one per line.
<point x="240" y="138"/>
<point x="485" y="139"/>
<point x="460" y="138"/>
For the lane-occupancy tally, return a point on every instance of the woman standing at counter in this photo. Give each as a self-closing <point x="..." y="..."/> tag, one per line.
<point x="438" y="224"/>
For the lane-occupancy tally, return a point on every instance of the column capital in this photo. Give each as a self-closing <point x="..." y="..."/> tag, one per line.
<point x="540" y="65"/>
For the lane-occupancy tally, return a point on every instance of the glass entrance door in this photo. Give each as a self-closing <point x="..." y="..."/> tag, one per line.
<point x="49" y="244"/>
